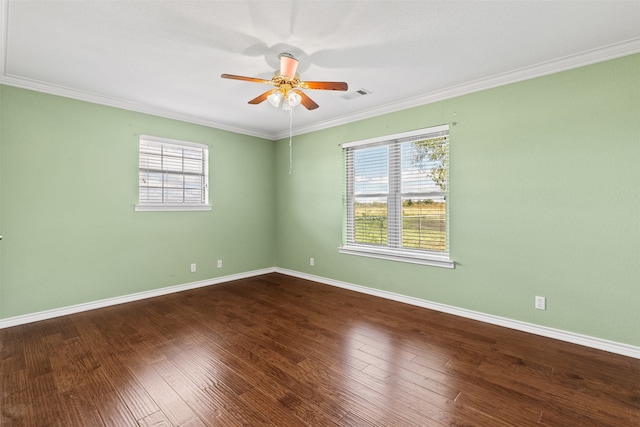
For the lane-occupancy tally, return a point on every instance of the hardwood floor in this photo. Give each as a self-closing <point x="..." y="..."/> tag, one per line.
<point x="281" y="351"/>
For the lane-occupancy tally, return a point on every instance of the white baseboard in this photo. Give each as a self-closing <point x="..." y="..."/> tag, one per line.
<point x="49" y="314"/>
<point x="584" y="340"/>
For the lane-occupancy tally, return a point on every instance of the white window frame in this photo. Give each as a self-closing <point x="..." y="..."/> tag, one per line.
<point x="392" y="250"/>
<point x="167" y="206"/>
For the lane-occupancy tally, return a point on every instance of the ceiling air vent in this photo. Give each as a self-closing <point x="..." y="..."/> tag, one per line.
<point x="356" y="94"/>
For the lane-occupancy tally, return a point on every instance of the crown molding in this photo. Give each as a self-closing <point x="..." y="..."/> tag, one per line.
<point x="578" y="60"/>
<point x="38" y="86"/>
<point x="4" y="31"/>
<point x="593" y="56"/>
<point x="123" y="104"/>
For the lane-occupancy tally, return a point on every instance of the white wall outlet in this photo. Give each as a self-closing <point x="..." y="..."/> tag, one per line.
<point x="219" y="263"/>
<point x="541" y="303"/>
<point x="312" y="261"/>
<point x="193" y="268"/>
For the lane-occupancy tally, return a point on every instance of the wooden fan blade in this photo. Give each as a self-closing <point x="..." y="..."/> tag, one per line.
<point x="246" y="79"/>
<point x="324" y="85"/>
<point x="259" y="99"/>
<point x="308" y="103"/>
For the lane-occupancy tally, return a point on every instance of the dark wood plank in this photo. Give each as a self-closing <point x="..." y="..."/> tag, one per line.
<point x="282" y="351"/>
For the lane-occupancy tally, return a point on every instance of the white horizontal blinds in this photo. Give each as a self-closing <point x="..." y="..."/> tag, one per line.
<point x="395" y="185"/>
<point x="172" y="173"/>
<point x="396" y="192"/>
<point x="368" y="191"/>
<point x="423" y="202"/>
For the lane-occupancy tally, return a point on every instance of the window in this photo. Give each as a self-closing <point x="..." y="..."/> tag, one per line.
<point x="396" y="197"/>
<point x="173" y="175"/>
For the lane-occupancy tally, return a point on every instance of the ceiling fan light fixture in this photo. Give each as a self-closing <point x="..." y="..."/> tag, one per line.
<point x="293" y="99"/>
<point x="275" y="98"/>
<point x="287" y="86"/>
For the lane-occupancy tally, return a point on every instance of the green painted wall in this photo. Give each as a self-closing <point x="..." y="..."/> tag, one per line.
<point x="69" y="185"/>
<point x="544" y="198"/>
<point x="1" y="257"/>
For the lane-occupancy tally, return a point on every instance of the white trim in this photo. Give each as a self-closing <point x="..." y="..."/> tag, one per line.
<point x="413" y="257"/>
<point x="424" y="132"/>
<point x="572" y="337"/>
<point x="584" y="340"/>
<point x="204" y="175"/>
<point x="64" y="311"/>
<point x="165" y="208"/>
<point x="4" y="32"/>
<point x="93" y="98"/>
<point x="393" y="250"/>
<point x="151" y="138"/>
<point x="594" y="56"/>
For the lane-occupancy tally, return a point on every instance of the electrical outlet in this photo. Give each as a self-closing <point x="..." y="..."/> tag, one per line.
<point x="219" y="263"/>
<point x="193" y="268"/>
<point x="541" y="303"/>
<point x="312" y="262"/>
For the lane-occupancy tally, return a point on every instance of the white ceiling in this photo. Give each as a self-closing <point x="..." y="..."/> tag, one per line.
<point x="166" y="57"/>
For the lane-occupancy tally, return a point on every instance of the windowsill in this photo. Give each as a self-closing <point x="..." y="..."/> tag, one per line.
<point x="400" y="255"/>
<point x="161" y="208"/>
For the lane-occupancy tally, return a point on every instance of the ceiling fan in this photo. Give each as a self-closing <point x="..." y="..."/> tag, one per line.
<point x="288" y="86"/>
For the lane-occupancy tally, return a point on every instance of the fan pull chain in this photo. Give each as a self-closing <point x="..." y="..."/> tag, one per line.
<point x="290" y="139"/>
